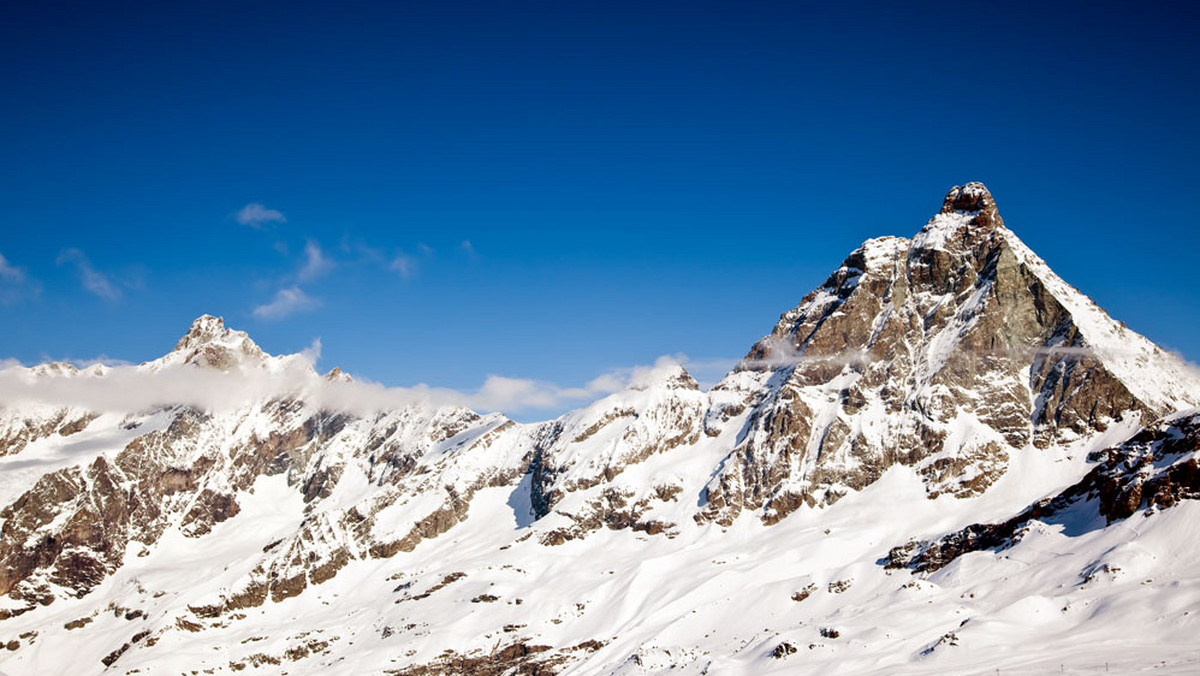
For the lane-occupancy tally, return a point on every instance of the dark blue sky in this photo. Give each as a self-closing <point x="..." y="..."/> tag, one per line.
<point x="634" y="179"/>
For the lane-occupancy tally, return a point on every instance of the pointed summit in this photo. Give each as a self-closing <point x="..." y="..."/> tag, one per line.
<point x="208" y="343"/>
<point x="667" y="374"/>
<point x="337" y="375"/>
<point x="204" y="329"/>
<point x="967" y="223"/>
<point x="973" y="196"/>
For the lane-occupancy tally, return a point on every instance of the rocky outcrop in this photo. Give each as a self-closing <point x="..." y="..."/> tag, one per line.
<point x="515" y="658"/>
<point x="1155" y="469"/>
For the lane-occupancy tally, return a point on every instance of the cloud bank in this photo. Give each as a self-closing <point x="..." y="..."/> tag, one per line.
<point x="125" y="388"/>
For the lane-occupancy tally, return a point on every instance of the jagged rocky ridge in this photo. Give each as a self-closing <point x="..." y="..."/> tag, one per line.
<point x="1154" y="469"/>
<point x="949" y="353"/>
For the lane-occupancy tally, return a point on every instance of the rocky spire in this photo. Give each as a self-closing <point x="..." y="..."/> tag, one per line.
<point x="205" y="329"/>
<point x="973" y="200"/>
<point x="973" y="196"/>
<point x="968" y="223"/>
<point x="209" y="343"/>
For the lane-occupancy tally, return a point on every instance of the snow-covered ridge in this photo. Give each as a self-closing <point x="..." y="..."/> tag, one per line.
<point x="1158" y="377"/>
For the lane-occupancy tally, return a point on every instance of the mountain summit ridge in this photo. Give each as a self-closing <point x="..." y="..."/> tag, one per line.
<point x="952" y="373"/>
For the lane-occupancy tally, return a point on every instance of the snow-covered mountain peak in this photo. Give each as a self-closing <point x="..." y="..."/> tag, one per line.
<point x="203" y="329"/>
<point x="54" y="368"/>
<point x="666" y="374"/>
<point x="337" y="375"/>
<point x="210" y="330"/>
<point x="208" y="343"/>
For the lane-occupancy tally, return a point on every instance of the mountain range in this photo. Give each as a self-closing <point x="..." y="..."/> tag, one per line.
<point x="945" y="459"/>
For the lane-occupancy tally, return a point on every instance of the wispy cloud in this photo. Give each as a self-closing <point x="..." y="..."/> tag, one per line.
<point x="315" y="264"/>
<point x="514" y="395"/>
<point x="350" y="253"/>
<point x="256" y="215"/>
<point x="15" y="283"/>
<point x="124" y="388"/>
<point x="404" y="265"/>
<point x="94" y="281"/>
<point x="10" y="273"/>
<point x="287" y="301"/>
<point x="312" y="353"/>
<point x="358" y="251"/>
<point x="1191" y="368"/>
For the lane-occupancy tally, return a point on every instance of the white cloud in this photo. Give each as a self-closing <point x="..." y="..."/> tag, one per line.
<point x="315" y="262"/>
<point x="125" y="388"/>
<point x="93" y="280"/>
<point x="15" y="283"/>
<point x="287" y="301"/>
<point x="404" y="265"/>
<point x="256" y="215"/>
<point x="781" y="353"/>
<point x="355" y="253"/>
<point x="499" y="393"/>
<point x="10" y="273"/>
<point x="468" y="248"/>
<point x="511" y="395"/>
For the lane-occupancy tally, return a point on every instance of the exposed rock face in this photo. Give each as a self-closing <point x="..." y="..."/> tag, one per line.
<point x="945" y="352"/>
<point x="1155" y="469"/>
